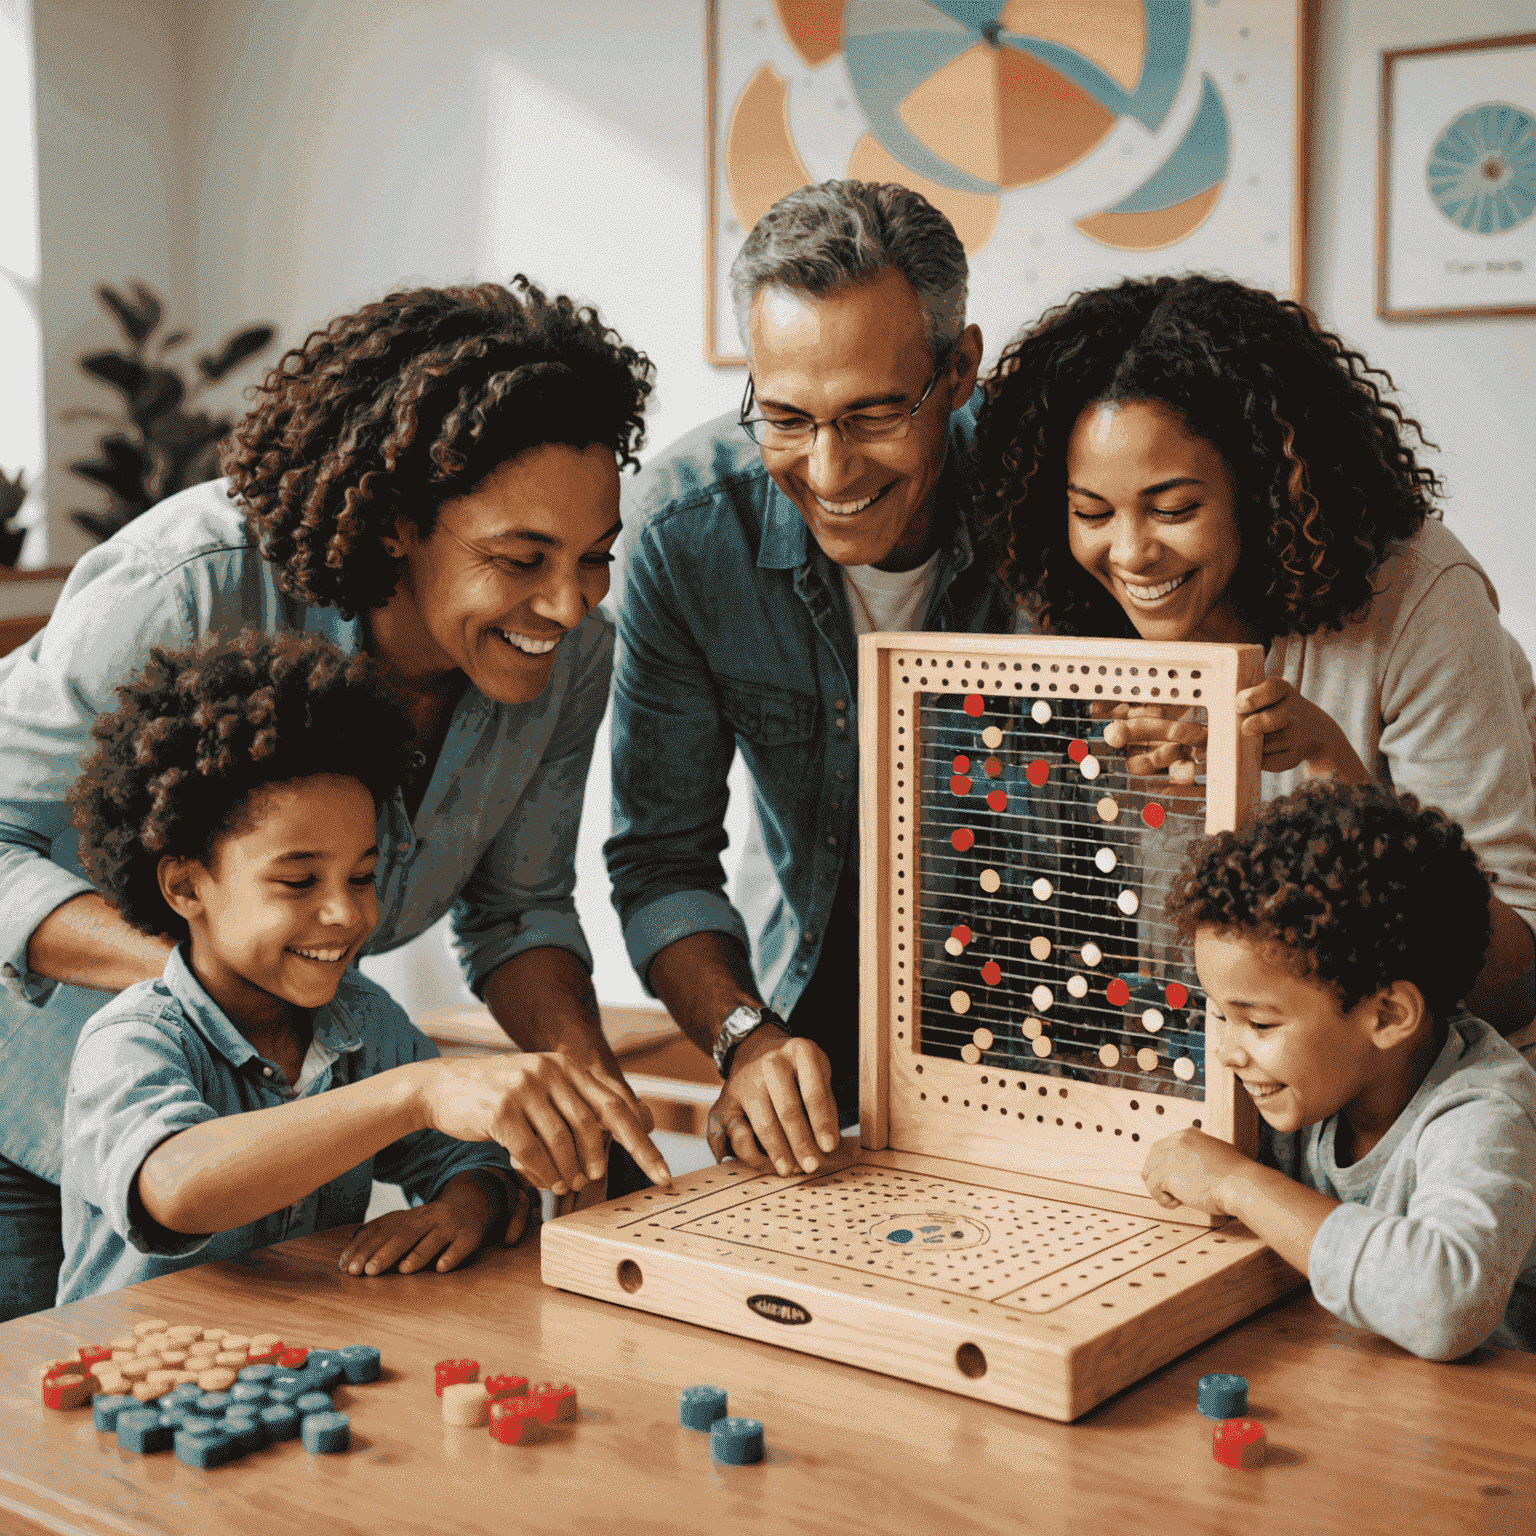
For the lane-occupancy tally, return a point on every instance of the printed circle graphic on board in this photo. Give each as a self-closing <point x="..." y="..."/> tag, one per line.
<point x="1481" y="172"/>
<point x="928" y="1230"/>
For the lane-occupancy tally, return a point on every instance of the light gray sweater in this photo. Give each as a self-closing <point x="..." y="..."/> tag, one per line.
<point x="1434" y="1246"/>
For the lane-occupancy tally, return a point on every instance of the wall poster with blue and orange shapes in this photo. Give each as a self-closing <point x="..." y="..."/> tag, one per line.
<point x="1071" y="142"/>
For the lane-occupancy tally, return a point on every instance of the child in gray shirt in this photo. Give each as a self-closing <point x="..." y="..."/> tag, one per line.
<point x="1334" y="936"/>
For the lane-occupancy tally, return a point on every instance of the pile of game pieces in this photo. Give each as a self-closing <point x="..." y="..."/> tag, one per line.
<point x="735" y="1442"/>
<point x="210" y="1394"/>
<point x="1237" y="1440"/>
<point x="516" y="1413"/>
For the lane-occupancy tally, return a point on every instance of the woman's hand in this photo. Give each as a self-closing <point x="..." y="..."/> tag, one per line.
<point x="1156" y="738"/>
<point x="1296" y="732"/>
<point x="1193" y="1169"/>
<point x="551" y="1114"/>
<point x="447" y="1229"/>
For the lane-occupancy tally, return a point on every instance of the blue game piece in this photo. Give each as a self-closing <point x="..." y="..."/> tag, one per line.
<point x="212" y="1403"/>
<point x="280" y="1422"/>
<point x="359" y="1363"/>
<point x="287" y="1385"/>
<point x="246" y="1430"/>
<point x="207" y="1447"/>
<point x="326" y="1433"/>
<point x="324" y="1372"/>
<point x="314" y="1402"/>
<point x="145" y="1432"/>
<point x="260" y="1374"/>
<point x="248" y="1392"/>
<point x="699" y="1407"/>
<point x="187" y="1392"/>
<point x="105" y="1410"/>
<point x="1222" y="1397"/>
<point x="736" y="1442"/>
<point x="177" y="1412"/>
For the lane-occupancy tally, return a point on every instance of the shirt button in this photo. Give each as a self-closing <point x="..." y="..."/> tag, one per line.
<point x="831" y="842"/>
<point x="840" y="775"/>
<point x="266" y="1071"/>
<point x="810" y="938"/>
<point x="803" y="969"/>
<point x="837" y="805"/>
<point x="842" y="724"/>
<point x="841" y="704"/>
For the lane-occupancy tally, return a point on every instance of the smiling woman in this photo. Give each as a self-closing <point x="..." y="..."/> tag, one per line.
<point x="431" y="481"/>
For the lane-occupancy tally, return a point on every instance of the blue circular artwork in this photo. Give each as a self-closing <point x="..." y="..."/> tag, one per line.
<point x="1481" y="172"/>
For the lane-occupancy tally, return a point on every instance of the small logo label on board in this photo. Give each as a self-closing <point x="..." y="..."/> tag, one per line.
<point x="777" y="1310"/>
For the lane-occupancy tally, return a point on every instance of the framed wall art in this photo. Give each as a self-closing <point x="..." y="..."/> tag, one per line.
<point x="1456" y="219"/>
<point x="1071" y="142"/>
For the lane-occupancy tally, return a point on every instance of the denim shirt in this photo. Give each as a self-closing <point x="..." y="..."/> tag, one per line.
<point x="162" y="1057"/>
<point x="734" y="633"/>
<point x="494" y="838"/>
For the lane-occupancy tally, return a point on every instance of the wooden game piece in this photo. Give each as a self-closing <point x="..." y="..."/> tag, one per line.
<point x="505" y="1386"/>
<point x="360" y="1363"/>
<point x="232" y="1358"/>
<point x="219" y="1379"/>
<point x="465" y="1403"/>
<point x="982" y="1039"/>
<point x="139" y="1367"/>
<point x="69" y="1389"/>
<point x="109" y="1379"/>
<point x="515" y="1421"/>
<point x="122" y="1356"/>
<point x="105" y="1409"/>
<point x="970" y="1053"/>
<point x="235" y="1341"/>
<point x="184" y="1334"/>
<point x="736" y="1442"/>
<point x="554" y="1404"/>
<point x="206" y="1445"/>
<point x="1184" y="1069"/>
<point x="1146" y="1059"/>
<point x="173" y="1357"/>
<point x="313" y="1402"/>
<point x="128" y="1341"/>
<point x="280" y="1421"/>
<point x="91" y="1354"/>
<point x="255" y="1356"/>
<point x="699" y="1407"/>
<point x="1221" y="1396"/>
<point x="163" y="1376"/>
<point x="266" y="1341"/>
<point x="448" y="1372"/>
<point x="149" y="1391"/>
<point x="144" y="1432"/>
<point x="1239" y="1444"/>
<point x="148" y="1326"/>
<point x="326" y="1434"/>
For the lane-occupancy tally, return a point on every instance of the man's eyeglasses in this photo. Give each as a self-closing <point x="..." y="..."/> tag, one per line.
<point x="880" y="425"/>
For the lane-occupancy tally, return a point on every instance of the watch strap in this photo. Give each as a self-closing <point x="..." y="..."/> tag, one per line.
<point x="765" y="1015"/>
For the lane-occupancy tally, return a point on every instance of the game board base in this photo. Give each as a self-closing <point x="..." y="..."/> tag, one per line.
<point x="1031" y="1293"/>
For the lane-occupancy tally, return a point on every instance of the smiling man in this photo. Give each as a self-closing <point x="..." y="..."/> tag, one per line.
<point x="838" y="501"/>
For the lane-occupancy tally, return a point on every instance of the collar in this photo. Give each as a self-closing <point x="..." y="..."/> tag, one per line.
<point x="332" y="1023"/>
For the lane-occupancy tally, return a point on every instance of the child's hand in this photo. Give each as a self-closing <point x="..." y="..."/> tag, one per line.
<point x="447" y="1229"/>
<point x="1296" y="731"/>
<point x="1157" y="739"/>
<point x="1191" y="1168"/>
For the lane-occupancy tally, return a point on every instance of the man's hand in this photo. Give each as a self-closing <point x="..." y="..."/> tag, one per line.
<point x="777" y="1106"/>
<point x="1156" y="738"/>
<point x="1193" y="1169"/>
<point x="1296" y="732"/>
<point x="447" y="1229"/>
<point x="548" y="1112"/>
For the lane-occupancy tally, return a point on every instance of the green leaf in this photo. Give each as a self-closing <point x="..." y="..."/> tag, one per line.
<point x="173" y="339"/>
<point x="161" y="391"/>
<point x="149" y="306"/>
<point x="136" y="319"/>
<point x="180" y="432"/>
<point x="123" y="469"/>
<point x="236" y="349"/>
<point x="123" y="373"/>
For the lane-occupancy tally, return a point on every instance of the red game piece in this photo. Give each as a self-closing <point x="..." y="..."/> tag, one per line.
<point x="69" y="1389"/>
<point x="1118" y="993"/>
<point x="1152" y="815"/>
<point x="1176" y="993"/>
<point x="91" y="1353"/>
<point x="974" y="704"/>
<point x="506" y="1386"/>
<point x="991" y="973"/>
<point x="961" y="839"/>
<point x="291" y="1358"/>
<point x="998" y="800"/>
<point x="1077" y="751"/>
<point x="452" y="1372"/>
<point x="515" y="1421"/>
<point x="961" y="764"/>
<point x="960" y="934"/>
<point x="959" y="785"/>
<point x="1238" y="1443"/>
<point x="554" y="1405"/>
<point x="1038" y="772"/>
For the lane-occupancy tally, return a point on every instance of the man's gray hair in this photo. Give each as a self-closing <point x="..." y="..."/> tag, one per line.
<point x="823" y="237"/>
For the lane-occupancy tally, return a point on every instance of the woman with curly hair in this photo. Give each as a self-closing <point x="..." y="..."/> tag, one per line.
<point x="1192" y="459"/>
<point x="434" y="481"/>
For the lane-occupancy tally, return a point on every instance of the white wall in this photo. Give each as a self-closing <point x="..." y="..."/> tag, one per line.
<point x="1472" y="383"/>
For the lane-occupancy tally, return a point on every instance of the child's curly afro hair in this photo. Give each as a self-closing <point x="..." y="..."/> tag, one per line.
<point x="199" y="730"/>
<point x="1362" y="887"/>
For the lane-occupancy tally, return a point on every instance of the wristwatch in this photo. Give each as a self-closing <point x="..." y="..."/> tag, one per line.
<point x="739" y="1023"/>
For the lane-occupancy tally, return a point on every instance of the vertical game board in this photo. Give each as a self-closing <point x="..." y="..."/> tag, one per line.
<point x="1029" y="1026"/>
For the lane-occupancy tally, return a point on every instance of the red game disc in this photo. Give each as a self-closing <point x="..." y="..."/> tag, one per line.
<point x="959" y="785"/>
<point x="450" y="1373"/>
<point x="1038" y="772"/>
<point x="991" y="973"/>
<point x="974" y="704"/>
<point x="962" y="838"/>
<point x="998" y="800"/>
<point x="960" y="933"/>
<point x="1152" y="815"/>
<point x="1177" y="994"/>
<point x="961" y="764"/>
<point x="1078" y="751"/>
<point x="1118" y="993"/>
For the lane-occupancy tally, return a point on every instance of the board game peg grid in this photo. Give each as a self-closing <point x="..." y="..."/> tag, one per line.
<point x="990" y="1232"/>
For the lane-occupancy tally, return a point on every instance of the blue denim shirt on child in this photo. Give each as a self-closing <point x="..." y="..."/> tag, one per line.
<point x="161" y="1057"/>
<point x="494" y="838"/>
<point x="734" y="632"/>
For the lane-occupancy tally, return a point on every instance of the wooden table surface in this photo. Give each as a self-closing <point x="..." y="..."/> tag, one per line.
<point x="1363" y="1437"/>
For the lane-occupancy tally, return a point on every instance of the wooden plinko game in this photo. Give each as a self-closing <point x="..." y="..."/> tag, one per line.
<point x="1029" y="1026"/>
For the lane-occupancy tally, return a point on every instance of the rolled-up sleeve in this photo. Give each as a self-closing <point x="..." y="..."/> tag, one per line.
<point x="129" y="1090"/>
<point x="1437" y="1279"/>
<point x="521" y="894"/>
<point x="113" y="609"/>
<point x="672" y="753"/>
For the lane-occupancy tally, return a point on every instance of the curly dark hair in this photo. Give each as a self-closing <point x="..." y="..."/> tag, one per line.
<point x="1325" y="482"/>
<point x="387" y="413"/>
<point x="200" y="730"/>
<point x="1360" y="887"/>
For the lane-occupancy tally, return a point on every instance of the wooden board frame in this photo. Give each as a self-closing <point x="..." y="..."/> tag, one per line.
<point x="945" y="1108"/>
<point x="1045" y="1292"/>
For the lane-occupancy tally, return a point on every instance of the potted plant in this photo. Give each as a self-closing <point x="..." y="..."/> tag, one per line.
<point x="160" y="443"/>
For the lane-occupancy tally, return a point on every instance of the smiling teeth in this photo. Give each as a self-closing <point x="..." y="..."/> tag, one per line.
<point x="330" y="956"/>
<point x="1151" y="594"/>
<point x="845" y="508"/>
<point x="527" y="646"/>
<point x="1263" y="1090"/>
